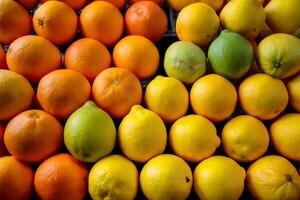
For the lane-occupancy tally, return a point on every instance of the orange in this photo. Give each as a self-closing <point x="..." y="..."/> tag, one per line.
<point x="293" y="87"/>
<point x="118" y="3"/>
<point x="3" y="151"/>
<point x="16" y="94"/>
<point x="15" y="21"/>
<point x="88" y="57"/>
<point x="28" y="4"/>
<point x="2" y="58"/>
<point x="16" y="179"/>
<point x="33" y="57"/>
<point x="61" y="177"/>
<point x="147" y="19"/>
<point x="63" y="91"/>
<point x="159" y="2"/>
<point x="55" y="21"/>
<point x="33" y="136"/>
<point x="116" y="90"/>
<point x="137" y="54"/>
<point x="76" y="5"/>
<point x="102" y="21"/>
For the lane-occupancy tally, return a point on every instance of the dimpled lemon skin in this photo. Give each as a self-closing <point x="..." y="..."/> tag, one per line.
<point x="245" y="138"/>
<point x="219" y="177"/>
<point x="194" y="138"/>
<point x="107" y="180"/>
<point x="142" y="134"/>
<point x="166" y="177"/>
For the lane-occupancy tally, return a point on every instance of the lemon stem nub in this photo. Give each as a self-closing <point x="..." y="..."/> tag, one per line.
<point x="289" y="178"/>
<point x="277" y="65"/>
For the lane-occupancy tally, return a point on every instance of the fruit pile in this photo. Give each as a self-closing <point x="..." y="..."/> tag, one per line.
<point x="101" y="100"/>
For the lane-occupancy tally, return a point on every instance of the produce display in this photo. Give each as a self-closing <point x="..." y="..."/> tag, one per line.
<point x="149" y="99"/>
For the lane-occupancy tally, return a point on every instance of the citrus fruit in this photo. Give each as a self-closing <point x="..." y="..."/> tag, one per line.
<point x="293" y="86"/>
<point x="16" y="94"/>
<point x="16" y="179"/>
<point x="285" y="134"/>
<point x="61" y="177"/>
<point x="61" y="92"/>
<point x="147" y="19"/>
<point x="245" y="138"/>
<point x="116" y="90"/>
<point x="197" y="23"/>
<point x="33" y="136"/>
<point x="219" y="177"/>
<point x="178" y="5"/>
<point x="213" y="97"/>
<point x="107" y="179"/>
<point x="279" y="55"/>
<point x="263" y="96"/>
<point x="142" y="134"/>
<point x="159" y="2"/>
<point x="33" y="57"/>
<point x="273" y="177"/>
<point x="215" y="4"/>
<point x="194" y="138"/>
<point x="166" y="177"/>
<point x="167" y="97"/>
<point x="137" y="54"/>
<point x="102" y="21"/>
<point x="15" y="21"/>
<point x="55" y="21"/>
<point x="88" y="57"/>
<point x="76" y="5"/>
<point x="90" y="133"/>
<point x="185" y="61"/>
<point x="235" y="62"/>
<point x="28" y="4"/>
<point x="3" y="150"/>
<point x="2" y="58"/>
<point x="118" y="3"/>
<point x="246" y="17"/>
<point x="283" y="16"/>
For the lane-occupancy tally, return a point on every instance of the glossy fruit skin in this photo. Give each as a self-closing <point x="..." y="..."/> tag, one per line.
<point x="159" y="2"/>
<point x="118" y="3"/>
<point x="123" y="186"/>
<point x="15" y="21"/>
<point x="178" y="5"/>
<point x="28" y="4"/>
<point x="76" y="5"/>
<point x="215" y="4"/>
<point x="116" y="90"/>
<point x="293" y="86"/>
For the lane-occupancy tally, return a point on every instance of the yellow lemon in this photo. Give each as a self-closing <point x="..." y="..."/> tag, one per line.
<point x="245" y="138"/>
<point x="167" y="97"/>
<point x="273" y="178"/>
<point x="113" y="177"/>
<point x="219" y="177"/>
<point x="283" y="16"/>
<point x="246" y="17"/>
<point x="285" y="136"/>
<point x="142" y="134"/>
<point x="194" y="138"/>
<point x="293" y="86"/>
<point x="263" y="96"/>
<point x="215" y="4"/>
<point x="166" y="177"/>
<point x="213" y="97"/>
<point x="178" y="5"/>
<point x="197" y="23"/>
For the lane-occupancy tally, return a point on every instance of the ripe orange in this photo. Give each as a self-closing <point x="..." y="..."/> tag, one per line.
<point x="16" y="94"/>
<point x="33" y="136"/>
<point x="102" y="21"/>
<point x="55" y="21"/>
<point x="118" y="3"/>
<point x="33" y="57"/>
<point x="3" y="151"/>
<point x="159" y="2"/>
<point x="61" y="92"/>
<point x="61" y="177"/>
<point x="88" y="57"/>
<point x="147" y="19"/>
<point x="2" y="58"/>
<point x="16" y="178"/>
<point x="116" y="90"/>
<point x="137" y="54"/>
<point x="15" y="21"/>
<point x="28" y="4"/>
<point x="76" y="5"/>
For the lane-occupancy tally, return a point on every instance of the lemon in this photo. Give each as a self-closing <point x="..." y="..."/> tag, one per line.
<point x="293" y="86"/>
<point x="89" y="133"/>
<point x="107" y="180"/>
<point x="263" y="96"/>
<point x="246" y="17"/>
<point x="194" y="138"/>
<point x="219" y="177"/>
<point x="178" y="5"/>
<point x="215" y="4"/>
<point x="283" y="16"/>
<point x="273" y="178"/>
<point x="213" y="97"/>
<point x="285" y="136"/>
<point x="197" y="23"/>
<point x="167" y="97"/>
<point x="245" y="138"/>
<point x="142" y="134"/>
<point x="166" y="177"/>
